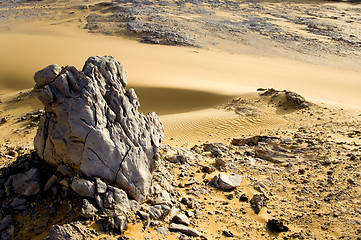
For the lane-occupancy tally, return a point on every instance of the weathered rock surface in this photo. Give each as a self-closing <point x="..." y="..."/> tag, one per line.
<point x="26" y="183"/>
<point x="73" y="231"/>
<point x="83" y="187"/>
<point x="181" y="219"/>
<point x="225" y="182"/>
<point x="257" y="202"/>
<point x="92" y="123"/>
<point x="184" y="229"/>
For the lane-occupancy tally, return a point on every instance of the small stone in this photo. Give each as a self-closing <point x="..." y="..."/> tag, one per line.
<point x="3" y="120"/>
<point x="243" y="198"/>
<point x="65" y="170"/>
<point x="6" y="222"/>
<point x="8" y="233"/>
<point x="208" y="169"/>
<point x="191" y="202"/>
<point x="159" y="211"/>
<point x="351" y="181"/>
<point x="225" y="182"/>
<point x="162" y="230"/>
<point x="88" y="210"/>
<point x="19" y="203"/>
<point x="181" y="218"/>
<point x="257" y="202"/>
<point x="109" y="200"/>
<point x="26" y="183"/>
<point x="50" y="182"/>
<point x="190" y="213"/>
<point x="227" y="233"/>
<point x="276" y="225"/>
<point x="134" y="205"/>
<point x="65" y="182"/>
<point x="184" y="229"/>
<point x="220" y="164"/>
<point x="177" y="159"/>
<point x="101" y="186"/>
<point x="99" y="202"/>
<point x="327" y="161"/>
<point x="143" y="215"/>
<point x="83" y="187"/>
<point x="230" y="196"/>
<point x="191" y="181"/>
<point x="121" y="223"/>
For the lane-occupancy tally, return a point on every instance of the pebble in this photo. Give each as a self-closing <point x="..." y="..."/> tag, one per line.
<point x="181" y="219"/>
<point x="228" y="233"/>
<point x="184" y="229"/>
<point x="162" y="230"/>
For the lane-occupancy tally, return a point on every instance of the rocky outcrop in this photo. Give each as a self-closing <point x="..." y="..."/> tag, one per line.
<point x="92" y="124"/>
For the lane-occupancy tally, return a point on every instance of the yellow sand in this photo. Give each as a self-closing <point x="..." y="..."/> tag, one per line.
<point x="181" y="84"/>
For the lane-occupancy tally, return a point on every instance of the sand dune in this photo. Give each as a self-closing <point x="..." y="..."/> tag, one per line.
<point x="179" y="83"/>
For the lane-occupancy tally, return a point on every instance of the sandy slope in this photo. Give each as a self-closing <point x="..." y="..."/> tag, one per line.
<point x="181" y="84"/>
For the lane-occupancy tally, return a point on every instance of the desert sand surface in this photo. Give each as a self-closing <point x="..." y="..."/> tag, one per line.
<point x="187" y="68"/>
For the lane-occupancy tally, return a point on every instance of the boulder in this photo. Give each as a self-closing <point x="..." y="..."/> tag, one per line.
<point x="92" y="123"/>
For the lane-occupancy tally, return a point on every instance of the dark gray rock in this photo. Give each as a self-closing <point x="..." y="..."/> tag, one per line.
<point x="50" y="182"/>
<point x="19" y="203"/>
<point x="6" y="222"/>
<point x="83" y="187"/>
<point x="88" y="210"/>
<point x="7" y="233"/>
<point x="159" y="211"/>
<point x="109" y="200"/>
<point x="191" y="202"/>
<point x="99" y="202"/>
<point x="243" y="198"/>
<point x="275" y="225"/>
<point x="225" y="182"/>
<point x="257" y="202"/>
<point x="181" y="219"/>
<point x="227" y="233"/>
<point x="65" y="170"/>
<point x="92" y="123"/>
<point x="26" y="183"/>
<point x="184" y="229"/>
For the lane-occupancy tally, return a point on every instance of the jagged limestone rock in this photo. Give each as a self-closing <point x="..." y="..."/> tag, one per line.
<point x="92" y="124"/>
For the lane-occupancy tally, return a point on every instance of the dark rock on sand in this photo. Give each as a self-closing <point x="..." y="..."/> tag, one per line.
<point x="257" y="202"/>
<point x="276" y="225"/>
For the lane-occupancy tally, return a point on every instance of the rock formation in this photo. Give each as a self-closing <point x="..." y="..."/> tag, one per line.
<point x="92" y="124"/>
